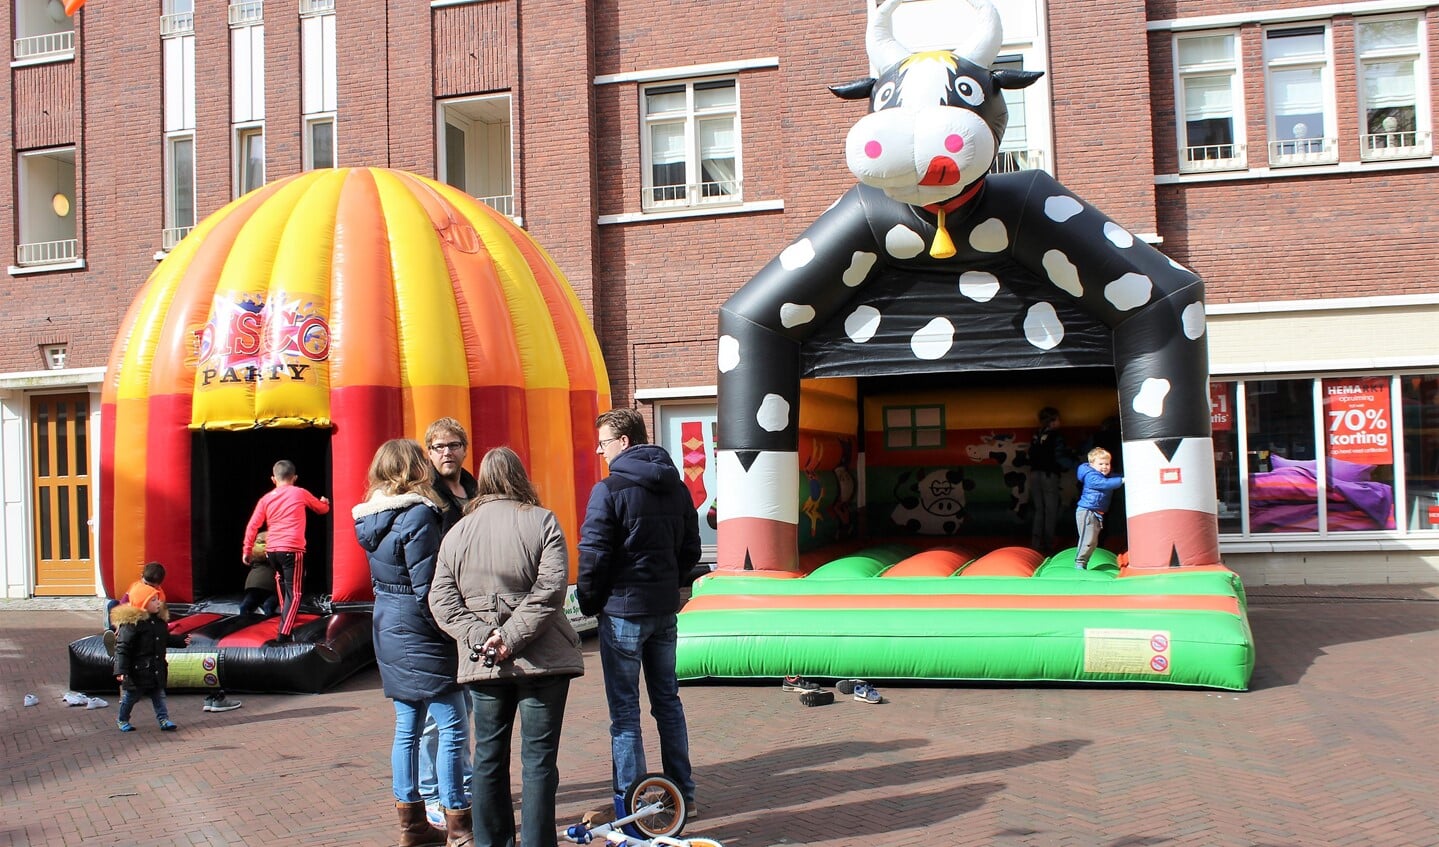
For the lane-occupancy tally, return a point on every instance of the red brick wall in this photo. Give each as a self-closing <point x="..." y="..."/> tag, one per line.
<point x="474" y="48"/>
<point x="284" y="138"/>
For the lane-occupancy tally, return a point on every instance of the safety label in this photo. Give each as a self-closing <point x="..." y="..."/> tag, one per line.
<point x="1126" y="651"/>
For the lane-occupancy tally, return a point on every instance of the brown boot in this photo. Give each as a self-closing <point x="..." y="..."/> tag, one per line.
<point x="415" y="831"/>
<point x="459" y="828"/>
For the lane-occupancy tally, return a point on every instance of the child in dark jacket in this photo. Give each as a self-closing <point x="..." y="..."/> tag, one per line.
<point x="140" y="645"/>
<point x="1098" y="490"/>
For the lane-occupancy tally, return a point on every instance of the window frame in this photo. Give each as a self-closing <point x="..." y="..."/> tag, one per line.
<point x="468" y="116"/>
<point x="1423" y="119"/>
<point x="60" y="252"/>
<point x="914" y="428"/>
<point x="1292" y="151"/>
<point x="310" y="122"/>
<point x="38" y="37"/>
<point x="693" y="185"/>
<point x="1235" y="68"/>
<point x="242" y="132"/>
<point x="175" y="229"/>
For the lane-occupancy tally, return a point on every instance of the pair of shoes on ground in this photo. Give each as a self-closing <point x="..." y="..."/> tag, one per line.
<point x="861" y="690"/>
<point x="811" y="693"/>
<point x="220" y="704"/>
<point x="166" y="725"/>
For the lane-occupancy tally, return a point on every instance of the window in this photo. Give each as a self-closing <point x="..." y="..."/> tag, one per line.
<point x="691" y="144"/>
<point x="54" y="355"/>
<point x="177" y="18"/>
<point x="913" y="427"/>
<point x="1016" y="153"/>
<point x="1210" y="102"/>
<point x="247" y="12"/>
<point x="179" y="189"/>
<point x="43" y="32"/>
<point x="687" y="432"/>
<point x="47" y="209"/>
<point x="1301" y="96"/>
<point x="1328" y="455"/>
<point x="1393" y="96"/>
<point x="320" y="142"/>
<point x="249" y="159"/>
<point x="475" y="150"/>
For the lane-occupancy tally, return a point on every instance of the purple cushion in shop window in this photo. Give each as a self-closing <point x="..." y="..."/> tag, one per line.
<point x="1339" y="470"/>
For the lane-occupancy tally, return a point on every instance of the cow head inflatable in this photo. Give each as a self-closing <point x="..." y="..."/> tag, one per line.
<point x="936" y="117"/>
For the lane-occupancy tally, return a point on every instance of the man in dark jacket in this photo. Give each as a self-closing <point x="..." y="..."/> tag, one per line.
<point x="640" y="538"/>
<point x="447" y="444"/>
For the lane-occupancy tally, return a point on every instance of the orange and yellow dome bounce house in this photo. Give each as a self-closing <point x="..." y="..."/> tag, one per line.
<point x="311" y="320"/>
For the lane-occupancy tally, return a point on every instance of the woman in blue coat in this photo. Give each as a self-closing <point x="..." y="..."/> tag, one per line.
<point x="398" y="525"/>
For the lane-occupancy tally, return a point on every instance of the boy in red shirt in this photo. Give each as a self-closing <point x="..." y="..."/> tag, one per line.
<point x="282" y="513"/>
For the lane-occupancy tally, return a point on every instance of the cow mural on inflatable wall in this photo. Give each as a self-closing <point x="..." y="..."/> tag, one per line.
<point x="933" y="265"/>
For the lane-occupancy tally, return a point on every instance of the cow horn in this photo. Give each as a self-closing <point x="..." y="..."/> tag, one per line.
<point x="879" y="41"/>
<point x="982" y="43"/>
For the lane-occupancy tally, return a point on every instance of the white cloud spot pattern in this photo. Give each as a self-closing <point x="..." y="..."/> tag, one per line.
<point x="797" y="255"/>
<point x="1150" y="399"/>
<point x="728" y="353"/>
<point x="773" y="415"/>
<point x="1118" y="235"/>
<point x="862" y="324"/>
<point x="1129" y="291"/>
<point x="903" y="242"/>
<point x="1062" y="272"/>
<point x="978" y="286"/>
<point x="859" y="266"/>
<point x="1042" y="326"/>
<point x="795" y="314"/>
<point x="933" y="340"/>
<point x="1061" y="208"/>
<point x="1192" y="319"/>
<point x="990" y="237"/>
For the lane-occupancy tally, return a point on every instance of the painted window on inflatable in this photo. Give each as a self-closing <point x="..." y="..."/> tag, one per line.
<point x="1327" y="455"/>
<point x="914" y="427"/>
<point x="687" y="431"/>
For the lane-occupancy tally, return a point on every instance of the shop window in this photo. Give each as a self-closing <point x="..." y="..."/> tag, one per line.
<point x="1279" y="443"/>
<point x="1419" y="398"/>
<point x="1359" y="454"/>
<point x="1224" y="423"/>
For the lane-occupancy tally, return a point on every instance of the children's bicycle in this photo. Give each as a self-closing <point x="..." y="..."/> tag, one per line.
<point x="652" y="813"/>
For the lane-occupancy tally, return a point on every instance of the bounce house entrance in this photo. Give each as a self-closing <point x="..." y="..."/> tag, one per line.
<point x="230" y="472"/>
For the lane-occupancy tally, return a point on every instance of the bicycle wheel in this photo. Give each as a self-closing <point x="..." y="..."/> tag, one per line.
<point x="656" y="788"/>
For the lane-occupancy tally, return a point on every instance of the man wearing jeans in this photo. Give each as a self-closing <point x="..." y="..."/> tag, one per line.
<point x="639" y="539"/>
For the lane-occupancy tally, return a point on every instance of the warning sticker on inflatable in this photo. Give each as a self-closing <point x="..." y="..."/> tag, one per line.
<point x="194" y="670"/>
<point x="1126" y="651"/>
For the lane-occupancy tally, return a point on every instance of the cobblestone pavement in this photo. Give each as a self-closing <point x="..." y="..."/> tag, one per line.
<point x="1335" y="744"/>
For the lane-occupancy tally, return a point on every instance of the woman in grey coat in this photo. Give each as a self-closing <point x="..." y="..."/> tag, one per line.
<point x="499" y="591"/>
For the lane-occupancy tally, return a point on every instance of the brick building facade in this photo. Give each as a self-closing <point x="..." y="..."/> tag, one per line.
<point x="1319" y="262"/>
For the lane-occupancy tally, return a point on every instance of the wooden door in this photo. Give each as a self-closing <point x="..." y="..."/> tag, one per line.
<point x="60" y="461"/>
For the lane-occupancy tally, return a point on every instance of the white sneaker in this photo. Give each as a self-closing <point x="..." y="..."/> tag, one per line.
<point x="96" y="703"/>
<point x="434" y="813"/>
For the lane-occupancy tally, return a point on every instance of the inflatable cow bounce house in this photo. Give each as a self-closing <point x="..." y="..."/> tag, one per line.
<point x="933" y="266"/>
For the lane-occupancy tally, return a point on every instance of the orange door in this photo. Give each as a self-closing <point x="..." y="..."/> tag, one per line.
<point x="60" y="435"/>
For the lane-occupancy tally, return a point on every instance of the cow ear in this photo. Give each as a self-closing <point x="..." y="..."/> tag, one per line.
<point x="1006" y="78"/>
<point x="857" y="90"/>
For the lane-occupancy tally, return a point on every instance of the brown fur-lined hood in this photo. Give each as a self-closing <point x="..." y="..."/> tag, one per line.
<point x="126" y="613"/>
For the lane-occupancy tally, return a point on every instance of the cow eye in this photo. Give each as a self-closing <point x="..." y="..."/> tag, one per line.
<point x="969" y="90"/>
<point x="883" y="95"/>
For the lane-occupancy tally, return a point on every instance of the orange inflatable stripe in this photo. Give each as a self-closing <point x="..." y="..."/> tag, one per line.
<point x="1055" y="602"/>
<point x="365" y="340"/>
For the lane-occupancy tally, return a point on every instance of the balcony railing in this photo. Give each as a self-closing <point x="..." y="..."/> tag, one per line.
<point x="1304" y="151"/>
<point x="317" y="7"/>
<point x="172" y="236"/>
<point x="47" y="252"/>
<point x="719" y="193"/>
<point x="1394" y="145"/>
<point x="1011" y="161"/>
<point x="502" y="203"/>
<point x="247" y="13"/>
<point x="1213" y="157"/>
<point x="180" y="23"/>
<point x="49" y="44"/>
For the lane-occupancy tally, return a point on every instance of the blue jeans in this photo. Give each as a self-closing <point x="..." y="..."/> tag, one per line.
<point x="129" y="698"/>
<point x="540" y="702"/>
<point x="626" y="646"/>
<point x="449" y="712"/>
<point x="429" y="751"/>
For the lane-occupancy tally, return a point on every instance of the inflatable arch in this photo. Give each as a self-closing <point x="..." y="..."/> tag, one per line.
<point x="933" y="266"/>
<point x="313" y="319"/>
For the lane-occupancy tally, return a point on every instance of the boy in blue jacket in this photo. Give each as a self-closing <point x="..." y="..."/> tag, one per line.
<point x="1098" y="489"/>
